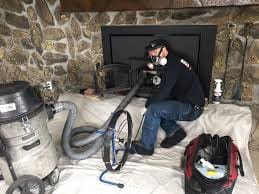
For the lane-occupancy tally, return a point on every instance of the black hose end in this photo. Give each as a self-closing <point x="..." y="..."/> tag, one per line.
<point x="120" y="185"/>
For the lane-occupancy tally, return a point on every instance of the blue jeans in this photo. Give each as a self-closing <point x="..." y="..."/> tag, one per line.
<point x="166" y="114"/>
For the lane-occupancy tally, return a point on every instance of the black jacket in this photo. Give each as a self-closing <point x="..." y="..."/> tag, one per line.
<point x="178" y="83"/>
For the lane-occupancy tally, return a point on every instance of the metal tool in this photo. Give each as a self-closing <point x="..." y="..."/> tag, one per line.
<point x="231" y="27"/>
<point x="239" y="87"/>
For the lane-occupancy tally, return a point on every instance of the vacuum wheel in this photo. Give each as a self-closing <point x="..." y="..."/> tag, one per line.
<point x="27" y="184"/>
<point x="53" y="177"/>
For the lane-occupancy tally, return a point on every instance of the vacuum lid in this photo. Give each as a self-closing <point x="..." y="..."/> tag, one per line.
<point x="18" y="98"/>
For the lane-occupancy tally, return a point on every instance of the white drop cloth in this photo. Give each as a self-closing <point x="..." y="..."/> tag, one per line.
<point x="157" y="174"/>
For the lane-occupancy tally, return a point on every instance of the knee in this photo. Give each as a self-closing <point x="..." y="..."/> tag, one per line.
<point x="153" y="109"/>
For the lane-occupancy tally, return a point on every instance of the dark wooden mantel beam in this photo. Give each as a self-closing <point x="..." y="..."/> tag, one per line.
<point x="118" y="5"/>
<point x="115" y="5"/>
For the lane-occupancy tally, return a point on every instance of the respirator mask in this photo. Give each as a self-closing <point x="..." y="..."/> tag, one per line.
<point x="157" y="61"/>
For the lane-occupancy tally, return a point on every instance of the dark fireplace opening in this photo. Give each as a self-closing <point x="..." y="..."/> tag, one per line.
<point x="113" y="78"/>
<point x="123" y="49"/>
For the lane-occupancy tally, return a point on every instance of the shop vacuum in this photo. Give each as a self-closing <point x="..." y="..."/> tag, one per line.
<point x="27" y="151"/>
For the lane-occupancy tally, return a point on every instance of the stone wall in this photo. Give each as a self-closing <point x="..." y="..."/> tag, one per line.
<point x="39" y="43"/>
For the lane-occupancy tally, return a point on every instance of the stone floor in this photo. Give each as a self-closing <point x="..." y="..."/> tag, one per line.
<point x="254" y="151"/>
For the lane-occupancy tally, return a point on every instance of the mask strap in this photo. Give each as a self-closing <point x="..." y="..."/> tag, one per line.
<point x="160" y="51"/>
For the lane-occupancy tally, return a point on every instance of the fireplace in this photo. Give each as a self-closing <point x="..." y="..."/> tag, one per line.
<point x="124" y="46"/>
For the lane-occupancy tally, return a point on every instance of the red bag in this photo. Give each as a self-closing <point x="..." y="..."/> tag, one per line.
<point x="220" y="152"/>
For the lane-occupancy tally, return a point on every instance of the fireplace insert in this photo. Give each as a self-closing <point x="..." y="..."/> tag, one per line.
<point x="125" y="45"/>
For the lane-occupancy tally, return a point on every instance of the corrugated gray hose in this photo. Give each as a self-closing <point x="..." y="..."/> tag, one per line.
<point x="79" y="149"/>
<point x="72" y="148"/>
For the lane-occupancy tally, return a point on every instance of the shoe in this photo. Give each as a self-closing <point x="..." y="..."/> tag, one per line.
<point x="174" y="139"/>
<point x="137" y="147"/>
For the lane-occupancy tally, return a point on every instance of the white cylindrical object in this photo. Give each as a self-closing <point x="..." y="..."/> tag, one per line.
<point x="207" y="164"/>
<point x="217" y="91"/>
<point x="218" y="85"/>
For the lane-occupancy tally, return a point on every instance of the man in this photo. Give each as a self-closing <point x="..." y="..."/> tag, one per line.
<point x="179" y="98"/>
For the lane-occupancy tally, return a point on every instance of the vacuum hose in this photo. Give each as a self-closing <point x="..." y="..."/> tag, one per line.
<point x="94" y="141"/>
<point x="79" y="149"/>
